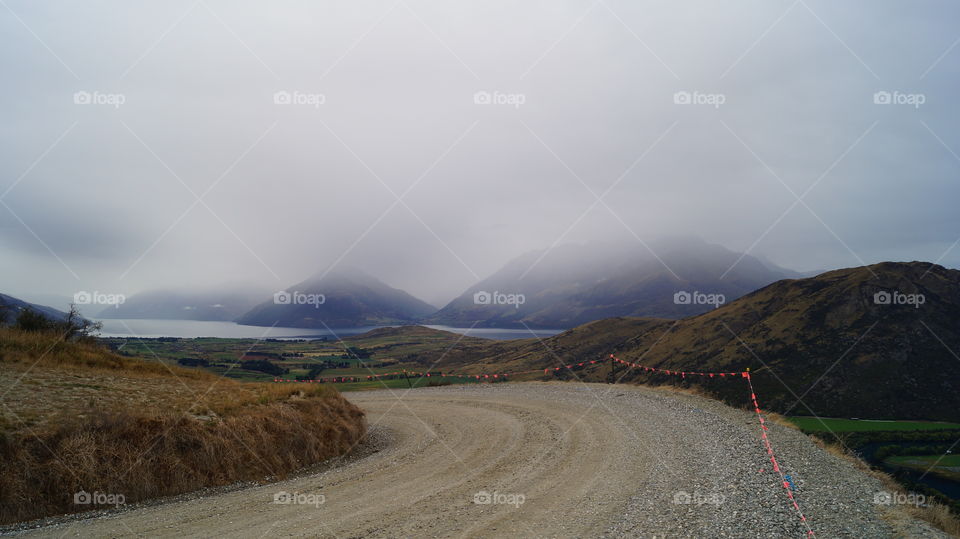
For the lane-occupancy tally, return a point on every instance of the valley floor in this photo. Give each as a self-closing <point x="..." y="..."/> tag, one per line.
<point x="552" y="460"/>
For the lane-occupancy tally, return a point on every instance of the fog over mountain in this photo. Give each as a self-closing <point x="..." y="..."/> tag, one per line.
<point x="217" y="303"/>
<point x="575" y="284"/>
<point x="341" y="297"/>
<point x="181" y="144"/>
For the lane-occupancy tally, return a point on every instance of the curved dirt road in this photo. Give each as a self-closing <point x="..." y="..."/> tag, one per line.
<point x="556" y="460"/>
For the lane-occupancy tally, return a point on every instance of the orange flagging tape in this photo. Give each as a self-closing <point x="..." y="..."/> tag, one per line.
<point x="756" y="407"/>
<point x="682" y="374"/>
<point x="773" y="458"/>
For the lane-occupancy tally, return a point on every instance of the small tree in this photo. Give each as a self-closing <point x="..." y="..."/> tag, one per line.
<point x="32" y="320"/>
<point x="75" y="326"/>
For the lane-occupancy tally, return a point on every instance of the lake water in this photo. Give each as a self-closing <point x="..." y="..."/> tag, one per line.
<point x="193" y="328"/>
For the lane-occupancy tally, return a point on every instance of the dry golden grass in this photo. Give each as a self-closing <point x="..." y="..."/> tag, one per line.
<point x="49" y="349"/>
<point x="774" y="417"/>
<point x="935" y="513"/>
<point x="77" y="417"/>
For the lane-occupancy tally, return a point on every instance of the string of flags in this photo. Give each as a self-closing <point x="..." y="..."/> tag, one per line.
<point x="756" y="406"/>
<point x="784" y="480"/>
<point x="682" y="374"/>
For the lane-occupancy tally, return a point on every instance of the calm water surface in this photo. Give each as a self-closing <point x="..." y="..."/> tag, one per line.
<point x="193" y="328"/>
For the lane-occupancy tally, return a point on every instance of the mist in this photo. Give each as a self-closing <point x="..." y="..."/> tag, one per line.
<point x="191" y="144"/>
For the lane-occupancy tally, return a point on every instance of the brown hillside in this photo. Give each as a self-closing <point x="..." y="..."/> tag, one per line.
<point x="819" y="345"/>
<point x="76" y="417"/>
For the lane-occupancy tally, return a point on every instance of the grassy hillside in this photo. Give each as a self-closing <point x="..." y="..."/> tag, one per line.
<point x="819" y="345"/>
<point x="78" y="418"/>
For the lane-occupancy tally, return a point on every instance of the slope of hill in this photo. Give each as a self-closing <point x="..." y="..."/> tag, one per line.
<point x="11" y="306"/>
<point x="576" y="284"/>
<point x="341" y="299"/>
<point x="77" y="418"/>
<point x="826" y="345"/>
<point x="224" y="304"/>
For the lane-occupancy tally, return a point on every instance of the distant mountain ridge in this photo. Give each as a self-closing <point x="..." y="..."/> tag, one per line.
<point x="575" y="284"/>
<point x="10" y="307"/>
<point x="222" y="304"/>
<point x="350" y="298"/>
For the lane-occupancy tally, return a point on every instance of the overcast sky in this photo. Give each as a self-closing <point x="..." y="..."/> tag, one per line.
<point x="99" y="190"/>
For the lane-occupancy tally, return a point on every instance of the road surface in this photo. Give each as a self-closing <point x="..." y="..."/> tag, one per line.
<point x="538" y="460"/>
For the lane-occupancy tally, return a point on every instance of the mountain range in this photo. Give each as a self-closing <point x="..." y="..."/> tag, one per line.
<point x="557" y="288"/>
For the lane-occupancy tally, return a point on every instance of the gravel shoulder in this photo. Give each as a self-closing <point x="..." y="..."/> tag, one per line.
<point x="553" y="460"/>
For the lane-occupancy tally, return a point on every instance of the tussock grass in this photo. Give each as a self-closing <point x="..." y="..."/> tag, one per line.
<point x="933" y="512"/>
<point x="142" y="429"/>
<point x="50" y="350"/>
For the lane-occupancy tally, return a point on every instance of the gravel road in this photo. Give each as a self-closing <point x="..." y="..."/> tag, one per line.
<point x="542" y="460"/>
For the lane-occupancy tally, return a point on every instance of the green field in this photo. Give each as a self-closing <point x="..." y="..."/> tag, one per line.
<point x="949" y="461"/>
<point x="813" y="424"/>
<point x="381" y="353"/>
<point x="945" y="466"/>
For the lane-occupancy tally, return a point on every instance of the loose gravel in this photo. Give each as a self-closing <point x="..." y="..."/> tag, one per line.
<point x="538" y="460"/>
